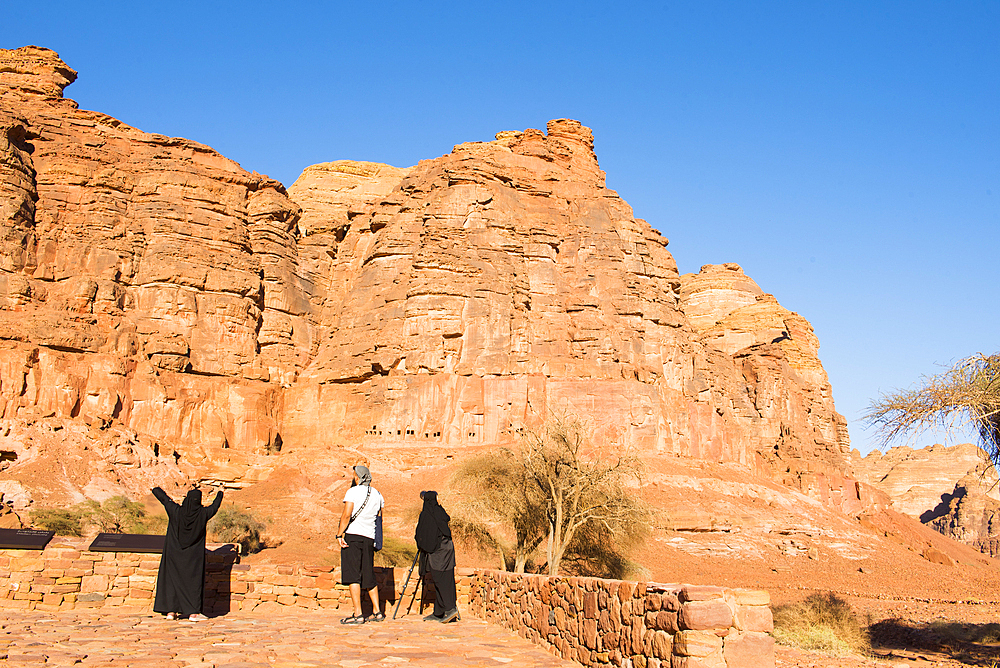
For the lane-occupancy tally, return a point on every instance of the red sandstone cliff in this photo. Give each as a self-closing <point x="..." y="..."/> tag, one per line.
<point x="150" y="285"/>
<point x="504" y="280"/>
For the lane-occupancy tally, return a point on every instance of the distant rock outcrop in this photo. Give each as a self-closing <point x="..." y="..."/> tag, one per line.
<point x="149" y="283"/>
<point x="949" y="488"/>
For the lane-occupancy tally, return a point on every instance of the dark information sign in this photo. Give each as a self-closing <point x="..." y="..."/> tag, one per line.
<point x="25" y="539"/>
<point x="127" y="542"/>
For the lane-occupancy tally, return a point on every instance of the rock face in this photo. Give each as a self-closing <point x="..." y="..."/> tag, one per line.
<point x="504" y="280"/>
<point x="970" y="513"/>
<point x="150" y="284"/>
<point x="916" y="480"/>
<point x="800" y="436"/>
<point x="947" y="488"/>
<point x="144" y="280"/>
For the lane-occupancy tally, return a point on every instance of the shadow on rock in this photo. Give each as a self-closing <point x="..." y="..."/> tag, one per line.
<point x="219" y="585"/>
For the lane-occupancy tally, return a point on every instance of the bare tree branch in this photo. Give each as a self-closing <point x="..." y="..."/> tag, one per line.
<point x="557" y="488"/>
<point x="967" y="394"/>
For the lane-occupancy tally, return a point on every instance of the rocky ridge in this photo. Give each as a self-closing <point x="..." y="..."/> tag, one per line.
<point x="949" y="488"/>
<point x="134" y="273"/>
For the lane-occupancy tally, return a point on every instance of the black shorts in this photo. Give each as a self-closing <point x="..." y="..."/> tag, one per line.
<point x="357" y="561"/>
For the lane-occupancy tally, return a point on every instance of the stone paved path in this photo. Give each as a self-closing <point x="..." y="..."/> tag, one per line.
<point x="276" y="640"/>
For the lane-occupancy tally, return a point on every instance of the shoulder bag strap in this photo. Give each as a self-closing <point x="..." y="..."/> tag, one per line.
<point x="355" y="515"/>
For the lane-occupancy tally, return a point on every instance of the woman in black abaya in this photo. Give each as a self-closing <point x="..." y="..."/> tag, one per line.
<point x="438" y="556"/>
<point x="180" y="583"/>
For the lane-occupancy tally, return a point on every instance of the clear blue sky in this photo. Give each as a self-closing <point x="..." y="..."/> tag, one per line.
<point x="846" y="154"/>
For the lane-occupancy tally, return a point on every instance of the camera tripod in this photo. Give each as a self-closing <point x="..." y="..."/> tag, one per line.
<point x="416" y="587"/>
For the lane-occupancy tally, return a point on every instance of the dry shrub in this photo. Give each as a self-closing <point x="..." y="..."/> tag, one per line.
<point x="592" y="554"/>
<point x="821" y="622"/>
<point x="232" y="525"/>
<point x="966" y="394"/>
<point x="497" y="498"/>
<point x="556" y="492"/>
<point x="479" y="536"/>
<point x="589" y="493"/>
<point x="395" y="552"/>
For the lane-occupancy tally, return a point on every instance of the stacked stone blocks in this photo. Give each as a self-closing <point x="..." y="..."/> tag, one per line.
<point x="65" y="576"/>
<point x="614" y="623"/>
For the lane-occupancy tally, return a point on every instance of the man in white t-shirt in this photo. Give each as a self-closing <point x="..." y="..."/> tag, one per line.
<point x="362" y="504"/>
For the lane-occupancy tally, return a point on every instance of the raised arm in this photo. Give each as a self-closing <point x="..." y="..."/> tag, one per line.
<point x="169" y="504"/>
<point x="214" y="508"/>
<point x="163" y="498"/>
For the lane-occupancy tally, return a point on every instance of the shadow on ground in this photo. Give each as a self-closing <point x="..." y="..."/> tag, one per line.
<point x="971" y="644"/>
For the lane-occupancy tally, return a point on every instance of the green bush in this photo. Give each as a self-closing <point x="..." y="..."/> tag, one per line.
<point x="116" y="515"/>
<point x="821" y="622"/>
<point x="154" y="524"/>
<point x="232" y="525"/>
<point x="61" y="520"/>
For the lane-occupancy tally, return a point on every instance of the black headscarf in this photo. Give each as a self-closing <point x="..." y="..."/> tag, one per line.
<point x="432" y="525"/>
<point x="190" y="523"/>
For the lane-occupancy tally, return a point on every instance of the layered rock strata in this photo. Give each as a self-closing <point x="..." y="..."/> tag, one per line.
<point x="478" y="296"/>
<point x="150" y="283"/>
<point x="144" y="280"/>
<point x="800" y="436"/>
<point x="950" y="488"/>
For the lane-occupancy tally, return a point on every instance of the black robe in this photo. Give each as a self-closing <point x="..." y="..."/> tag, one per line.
<point x="437" y="552"/>
<point x="180" y="583"/>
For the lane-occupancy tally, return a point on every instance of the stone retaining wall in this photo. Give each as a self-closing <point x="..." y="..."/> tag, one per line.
<point x="592" y="621"/>
<point x="65" y="576"/>
<point x="610" y="622"/>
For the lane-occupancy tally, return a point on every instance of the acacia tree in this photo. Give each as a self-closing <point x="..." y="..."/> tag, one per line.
<point x="580" y="492"/>
<point x="119" y="514"/>
<point x="967" y="394"/>
<point x="555" y="488"/>
<point x="501" y="494"/>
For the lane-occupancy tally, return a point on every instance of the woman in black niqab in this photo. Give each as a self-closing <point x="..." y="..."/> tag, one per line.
<point x="437" y="556"/>
<point x="180" y="582"/>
